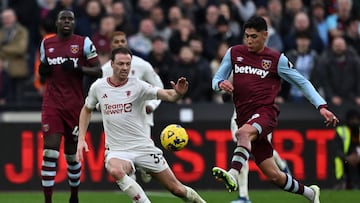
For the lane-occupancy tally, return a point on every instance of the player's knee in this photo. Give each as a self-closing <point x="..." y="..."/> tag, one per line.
<point x="116" y="172"/>
<point x="70" y="158"/>
<point x="51" y="153"/>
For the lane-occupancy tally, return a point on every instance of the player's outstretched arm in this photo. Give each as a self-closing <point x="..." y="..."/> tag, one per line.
<point x="84" y="120"/>
<point x="178" y="91"/>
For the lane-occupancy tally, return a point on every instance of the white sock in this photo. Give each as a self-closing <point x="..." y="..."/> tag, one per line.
<point x="132" y="189"/>
<point x="242" y="179"/>
<point x="192" y="196"/>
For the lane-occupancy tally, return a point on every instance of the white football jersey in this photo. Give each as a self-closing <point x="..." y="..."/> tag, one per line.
<point x="122" y="110"/>
<point x="144" y="71"/>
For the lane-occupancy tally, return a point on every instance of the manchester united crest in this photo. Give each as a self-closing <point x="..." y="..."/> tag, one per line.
<point x="74" y="48"/>
<point x="266" y="64"/>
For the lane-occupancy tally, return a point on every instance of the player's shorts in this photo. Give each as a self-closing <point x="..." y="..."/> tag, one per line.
<point x="265" y="120"/>
<point x="151" y="162"/>
<point x="54" y="120"/>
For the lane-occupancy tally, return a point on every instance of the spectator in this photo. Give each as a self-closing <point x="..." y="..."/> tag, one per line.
<point x="142" y="10"/>
<point x="45" y="7"/>
<point x="140" y="42"/>
<point x="181" y="35"/>
<point x="190" y="9"/>
<point x="161" y="28"/>
<point x="187" y="67"/>
<point x="102" y="38"/>
<point x="347" y="149"/>
<point x="14" y="40"/>
<point x="318" y="20"/>
<point x="302" y="24"/>
<point x="274" y="40"/>
<point x="123" y="18"/>
<point x="339" y="70"/>
<point x="161" y="59"/>
<point x="174" y="16"/>
<point x="305" y="60"/>
<point x="4" y="84"/>
<point x="233" y="23"/>
<point x="218" y="97"/>
<point x="275" y="13"/>
<point x="88" y="23"/>
<point x="292" y="7"/>
<point x="209" y="29"/>
<point x="336" y="22"/>
<point x="245" y="8"/>
<point x="352" y="34"/>
<point x="197" y="46"/>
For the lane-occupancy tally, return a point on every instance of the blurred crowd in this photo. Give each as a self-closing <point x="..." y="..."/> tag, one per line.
<point x="189" y="38"/>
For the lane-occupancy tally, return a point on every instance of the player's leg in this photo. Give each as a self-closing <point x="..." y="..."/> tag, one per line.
<point x="242" y="178"/>
<point x="241" y="155"/>
<point x="145" y="176"/>
<point x="73" y="166"/>
<point x="171" y="183"/>
<point x="278" y="160"/>
<point x="287" y="182"/>
<point x="49" y="164"/>
<point x="119" y="169"/>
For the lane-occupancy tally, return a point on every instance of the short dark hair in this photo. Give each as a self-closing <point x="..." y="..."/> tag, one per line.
<point x="256" y="22"/>
<point x="120" y="50"/>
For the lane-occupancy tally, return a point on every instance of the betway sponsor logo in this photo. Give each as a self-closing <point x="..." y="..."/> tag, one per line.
<point x="60" y="60"/>
<point x="250" y="70"/>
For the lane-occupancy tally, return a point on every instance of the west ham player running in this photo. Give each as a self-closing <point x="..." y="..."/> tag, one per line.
<point x="63" y="57"/>
<point x="122" y="101"/>
<point x="257" y="73"/>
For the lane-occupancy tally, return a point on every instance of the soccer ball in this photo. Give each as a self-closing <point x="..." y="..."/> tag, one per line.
<point x="174" y="137"/>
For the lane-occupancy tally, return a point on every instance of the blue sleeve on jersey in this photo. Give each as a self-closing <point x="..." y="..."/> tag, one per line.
<point x="42" y="52"/>
<point x="223" y="72"/>
<point x="288" y="72"/>
<point x="89" y="49"/>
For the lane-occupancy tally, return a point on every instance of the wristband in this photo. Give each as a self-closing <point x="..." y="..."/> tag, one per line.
<point x="323" y="106"/>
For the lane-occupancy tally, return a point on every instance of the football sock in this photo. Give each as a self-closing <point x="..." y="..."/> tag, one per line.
<point x="48" y="172"/>
<point x="192" y="196"/>
<point x="74" y="173"/>
<point x="132" y="189"/>
<point x="242" y="180"/>
<point x="293" y="186"/>
<point x="240" y="157"/>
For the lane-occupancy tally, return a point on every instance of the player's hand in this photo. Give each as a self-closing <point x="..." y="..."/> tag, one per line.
<point x="45" y="69"/>
<point x="330" y="118"/>
<point x="226" y="86"/>
<point x="69" y="65"/>
<point x="81" y="147"/>
<point x="181" y="87"/>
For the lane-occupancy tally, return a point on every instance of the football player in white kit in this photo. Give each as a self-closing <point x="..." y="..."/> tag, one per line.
<point x="144" y="71"/>
<point x="122" y="100"/>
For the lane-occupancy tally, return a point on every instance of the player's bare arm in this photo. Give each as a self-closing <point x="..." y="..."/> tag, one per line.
<point x="178" y="91"/>
<point x="84" y="120"/>
<point x="94" y="71"/>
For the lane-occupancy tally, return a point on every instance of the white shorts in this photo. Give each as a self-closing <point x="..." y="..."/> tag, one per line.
<point x="150" y="162"/>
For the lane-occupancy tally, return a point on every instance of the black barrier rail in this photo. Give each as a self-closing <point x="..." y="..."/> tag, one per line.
<point x="301" y="139"/>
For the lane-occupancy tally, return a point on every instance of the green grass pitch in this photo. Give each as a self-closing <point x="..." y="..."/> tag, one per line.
<point x="257" y="196"/>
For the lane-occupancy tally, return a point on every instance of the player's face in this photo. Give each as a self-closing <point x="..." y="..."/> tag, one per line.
<point x="65" y="23"/>
<point x="254" y="40"/>
<point x="118" y="41"/>
<point x="121" y="66"/>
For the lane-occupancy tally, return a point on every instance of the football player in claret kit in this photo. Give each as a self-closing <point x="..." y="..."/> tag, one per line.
<point x="257" y="73"/>
<point x="122" y="101"/>
<point x="63" y="58"/>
